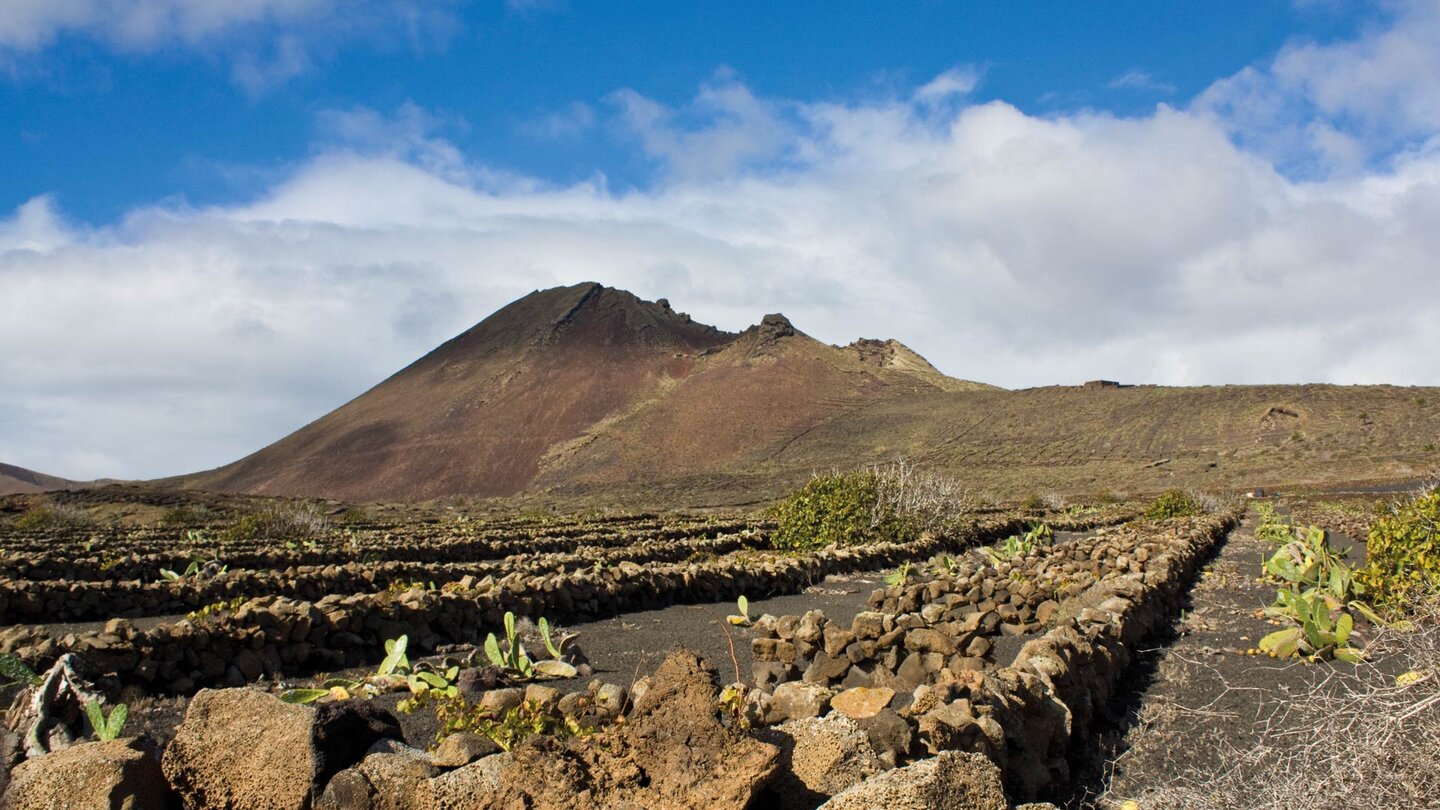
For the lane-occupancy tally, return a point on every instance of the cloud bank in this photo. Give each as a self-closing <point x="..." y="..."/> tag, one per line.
<point x="1177" y="247"/>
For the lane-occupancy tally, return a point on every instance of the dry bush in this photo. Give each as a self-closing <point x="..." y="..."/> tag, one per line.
<point x="48" y="515"/>
<point x="1361" y="738"/>
<point x="280" y="521"/>
<point x="927" y="499"/>
<point x="1213" y="503"/>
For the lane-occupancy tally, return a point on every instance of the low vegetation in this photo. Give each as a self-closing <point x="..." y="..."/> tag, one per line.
<point x="1403" y="554"/>
<point x="885" y="503"/>
<point x="1318" y="594"/>
<point x="507" y="728"/>
<point x="54" y="516"/>
<point x="1019" y="545"/>
<point x="296" y="522"/>
<point x="107" y="726"/>
<point x="1174" y="503"/>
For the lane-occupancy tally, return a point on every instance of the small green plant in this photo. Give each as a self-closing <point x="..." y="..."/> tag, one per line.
<point x="1318" y="594"/>
<point x="395" y="672"/>
<point x="517" y="663"/>
<point x="200" y="564"/>
<point x="513" y="659"/>
<point x="107" y="728"/>
<point x="507" y="729"/>
<point x="732" y="705"/>
<point x="900" y="576"/>
<point x="1273" y="528"/>
<point x="1308" y="567"/>
<point x="1172" y="503"/>
<point x="1017" y="545"/>
<point x="1039" y="533"/>
<point x="216" y="608"/>
<point x="556" y="666"/>
<point x="946" y="565"/>
<point x="1321" y="632"/>
<point x="741" y="619"/>
<point x="15" y="670"/>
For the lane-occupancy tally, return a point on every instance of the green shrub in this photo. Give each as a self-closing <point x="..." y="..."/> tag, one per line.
<point x="842" y="509"/>
<point x="885" y="503"/>
<point x="1403" y="553"/>
<point x="1172" y="503"/>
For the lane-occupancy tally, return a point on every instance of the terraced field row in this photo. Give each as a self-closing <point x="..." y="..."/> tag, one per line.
<point x="69" y="555"/>
<point x="83" y="600"/>
<point x="309" y="618"/>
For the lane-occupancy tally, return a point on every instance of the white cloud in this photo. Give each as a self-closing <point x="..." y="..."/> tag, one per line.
<point x="571" y="121"/>
<point x="257" y="73"/>
<point x="1338" y="106"/>
<point x="143" y="25"/>
<point x="1006" y="247"/>
<point x="1140" y="80"/>
<point x="266" y="42"/>
<point x="724" y="128"/>
<point x="960" y="81"/>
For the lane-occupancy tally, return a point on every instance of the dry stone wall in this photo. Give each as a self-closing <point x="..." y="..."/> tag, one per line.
<point x="1005" y="658"/>
<point x="271" y="636"/>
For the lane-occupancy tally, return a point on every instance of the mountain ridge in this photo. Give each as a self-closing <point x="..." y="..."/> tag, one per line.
<point x="589" y="394"/>
<point x="20" y="481"/>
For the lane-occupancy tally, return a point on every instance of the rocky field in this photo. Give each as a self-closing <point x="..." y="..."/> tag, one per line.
<point x="434" y="662"/>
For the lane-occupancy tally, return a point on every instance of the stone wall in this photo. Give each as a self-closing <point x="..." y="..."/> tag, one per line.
<point x="1006" y="658"/>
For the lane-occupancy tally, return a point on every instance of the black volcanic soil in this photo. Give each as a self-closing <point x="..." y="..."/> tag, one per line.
<point x="1196" y="694"/>
<point x="620" y="648"/>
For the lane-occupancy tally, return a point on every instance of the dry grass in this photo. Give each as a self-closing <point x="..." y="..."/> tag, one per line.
<point x="1361" y="738"/>
<point x="927" y="499"/>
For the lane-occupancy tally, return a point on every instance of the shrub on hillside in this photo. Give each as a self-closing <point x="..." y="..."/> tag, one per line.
<point x="303" y="521"/>
<point x="186" y="515"/>
<point x="891" y="503"/>
<point x="54" y="516"/>
<point x="1403" y="553"/>
<point x="1173" y="503"/>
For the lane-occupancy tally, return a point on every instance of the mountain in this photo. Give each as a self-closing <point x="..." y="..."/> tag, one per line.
<point x="18" y="480"/>
<point x="549" y="383"/>
<point x="588" y="394"/>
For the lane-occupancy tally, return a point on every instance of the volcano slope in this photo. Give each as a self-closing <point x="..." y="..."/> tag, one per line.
<point x="17" y="480"/>
<point x="587" y="395"/>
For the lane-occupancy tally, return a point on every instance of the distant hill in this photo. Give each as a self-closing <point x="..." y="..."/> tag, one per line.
<point x="590" y="394"/>
<point x="18" y="480"/>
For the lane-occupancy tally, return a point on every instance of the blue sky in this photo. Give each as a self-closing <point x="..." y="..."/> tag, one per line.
<point x="105" y="124"/>
<point x="220" y="219"/>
